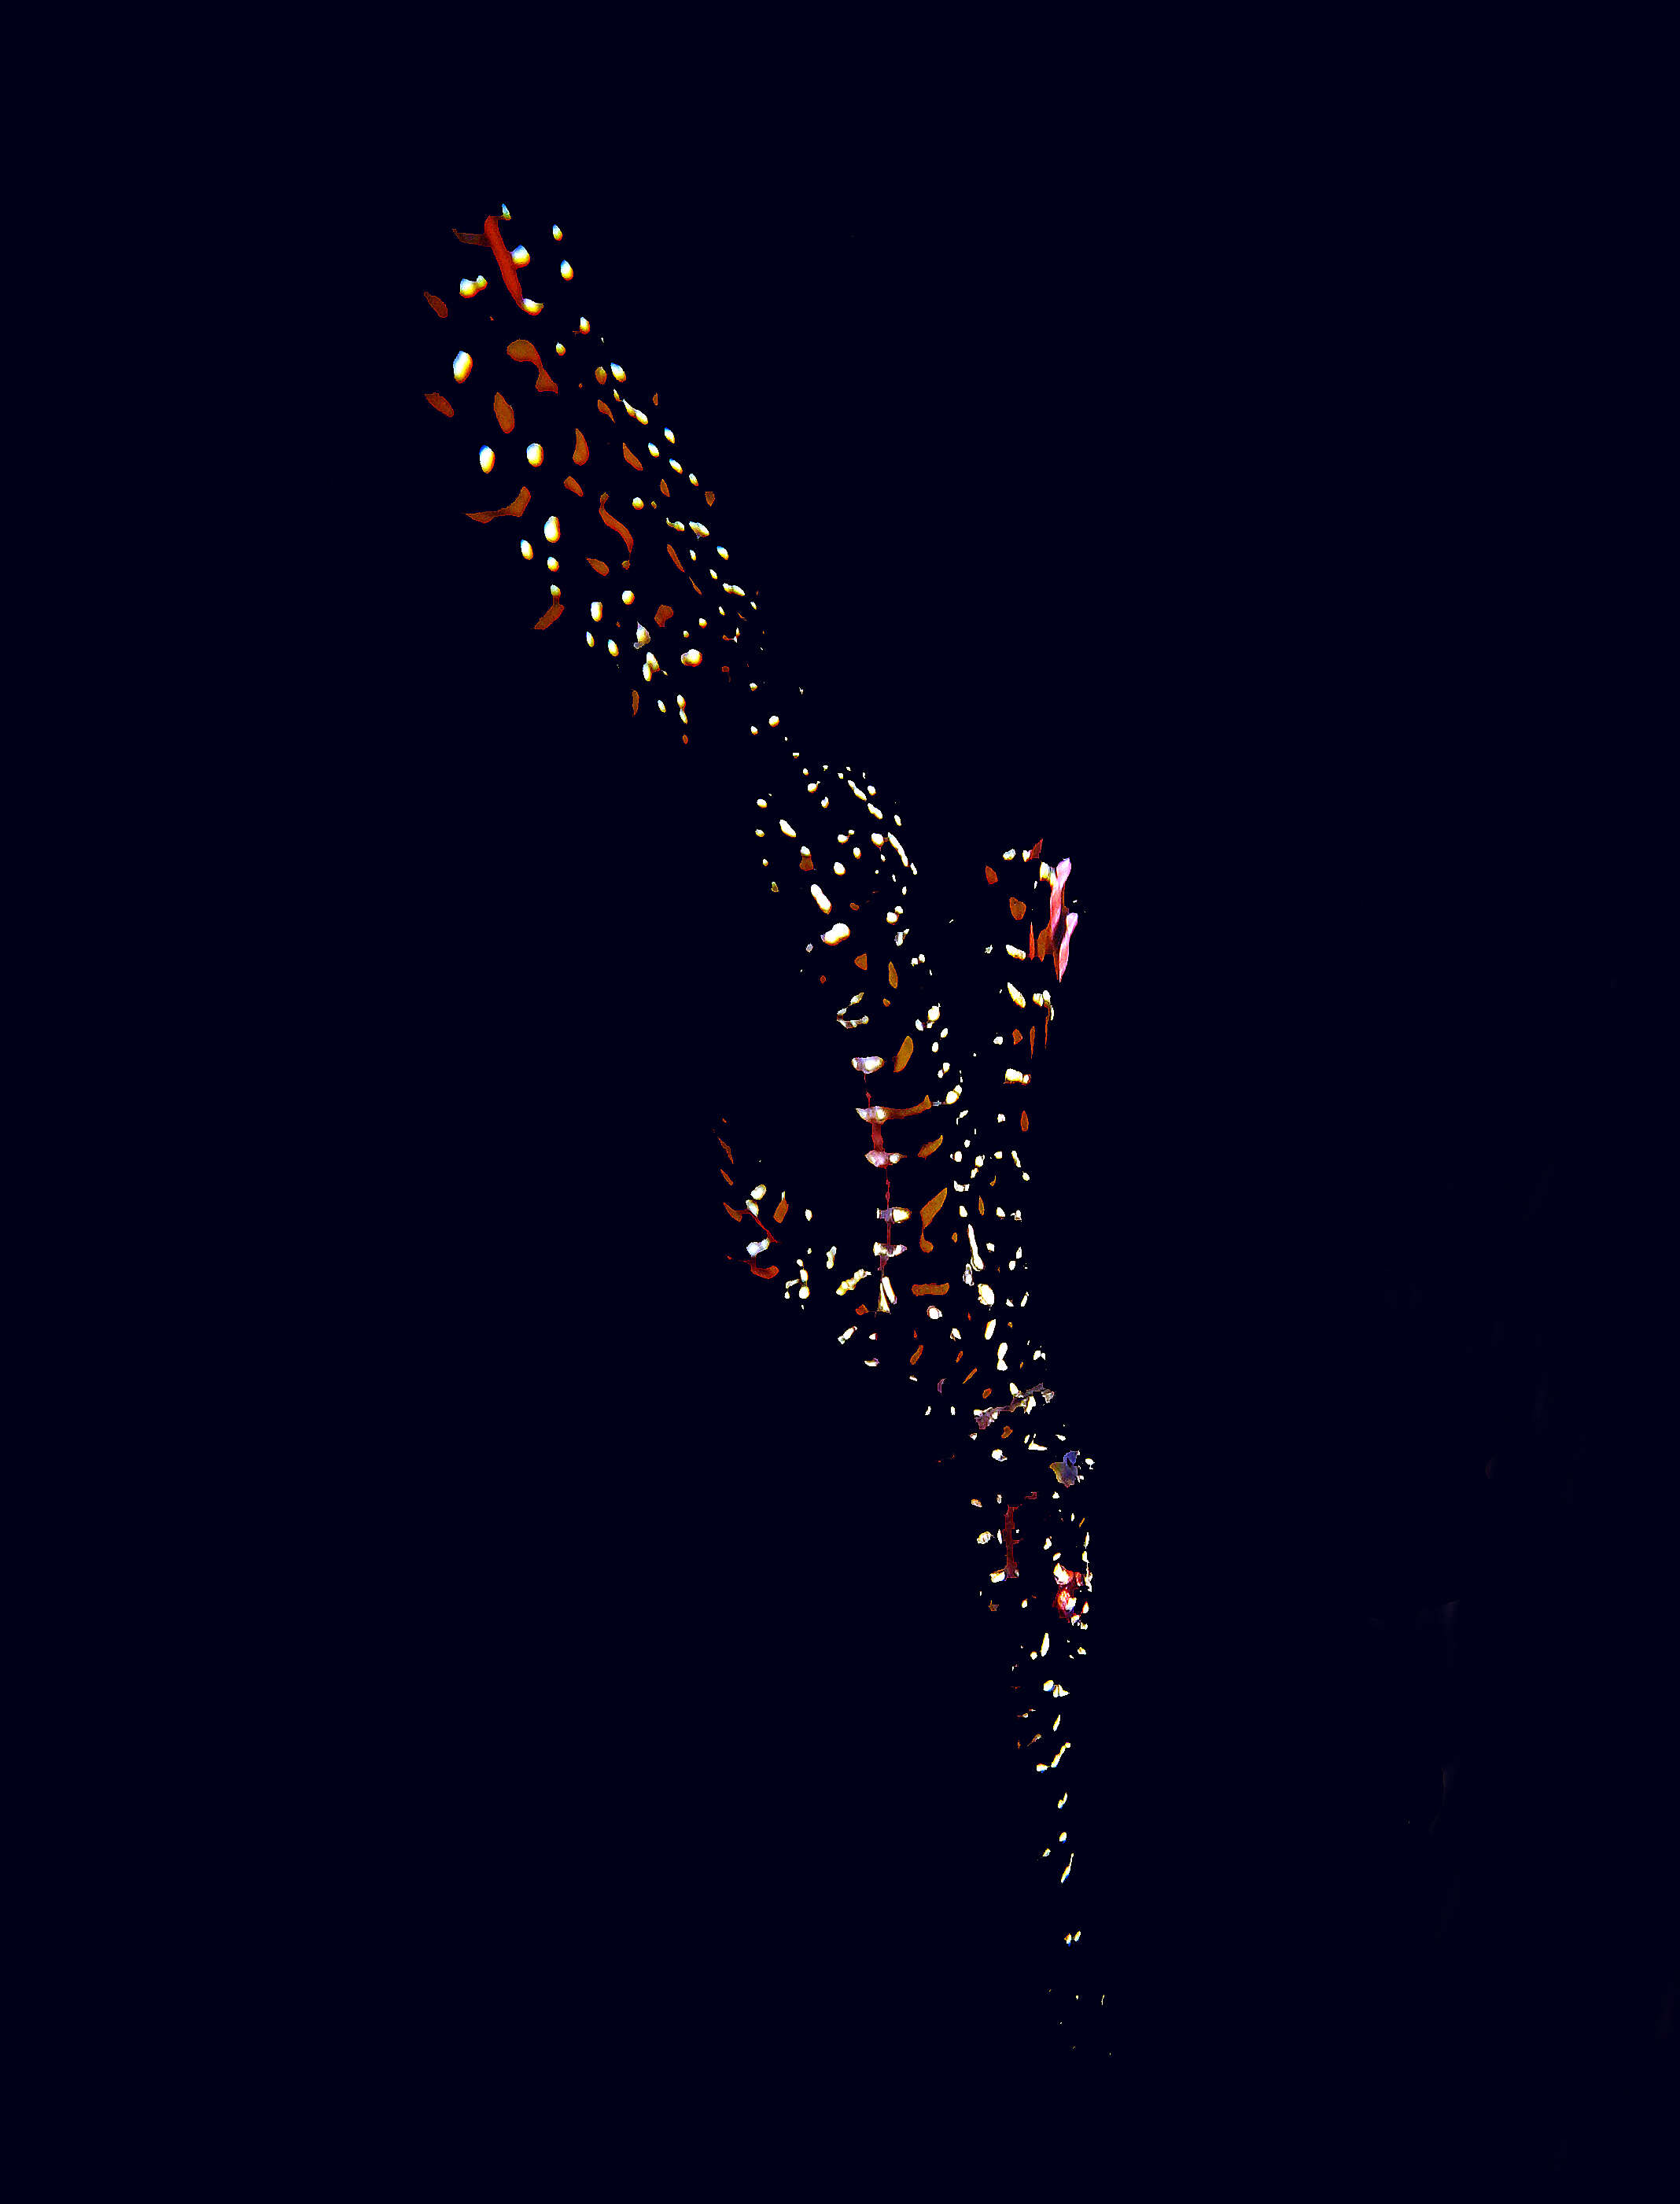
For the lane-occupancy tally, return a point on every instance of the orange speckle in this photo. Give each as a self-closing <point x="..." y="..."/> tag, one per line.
<point x="1036" y="851"/>
<point x="902" y="1055"/>
<point x="436" y="398"/>
<point x="1023" y="1120"/>
<point x="616" y="527"/>
<point x="1017" y="908"/>
<point x="601" y="405"/>
<point x="892" y="973"/>
<point x="599" y="564"/>
<point x="523" y="350"/>
<point x="923" y="1292"/>
<point x="549" y="618"/>
<point x="503" y="413"/>
<point x="862" y="962"/>
<point x="662" y="614"/>
<point x="506" y="512"/>
<point x="580" y="450"/>
<point x="436" y="304"/>
<point x="632" y="459"/>
<point x="574" y="485"/>
<point x="635" y="702"/>
<point x="991" y="877"/>
<point x="711" y="497"/>
<point x="927" y="1147"/>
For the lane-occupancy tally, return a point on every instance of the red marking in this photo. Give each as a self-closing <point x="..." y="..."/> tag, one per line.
<point x="1033" y="854"/>
<point x="436" y="304"/>
<point x="436" y="398"/>
<point x="1009" y="1568"/>
<point x="510" y="274"/>
<point x="617" y="526"/>
<point x="549" y="618"/>
<point x="991" y="877"/>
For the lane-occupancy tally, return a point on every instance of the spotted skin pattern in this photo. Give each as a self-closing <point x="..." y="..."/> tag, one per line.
<point x="614" y="546"/>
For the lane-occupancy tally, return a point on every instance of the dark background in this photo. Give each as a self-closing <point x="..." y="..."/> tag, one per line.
<point x="1269" y="538"/>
